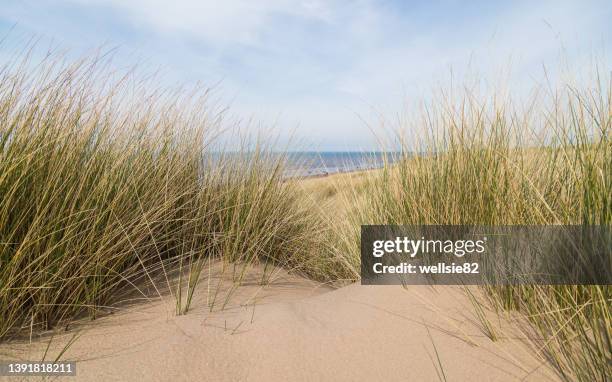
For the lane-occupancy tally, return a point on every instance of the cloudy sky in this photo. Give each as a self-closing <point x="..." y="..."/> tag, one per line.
<point x="322" y="69"/>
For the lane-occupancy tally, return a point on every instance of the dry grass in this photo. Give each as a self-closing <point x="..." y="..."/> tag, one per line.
<point x="105" y="184"/>
<point x="485" y="161"/>
<point x="330" y="192"/>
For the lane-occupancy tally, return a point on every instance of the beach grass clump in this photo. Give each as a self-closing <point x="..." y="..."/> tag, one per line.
<point x="487" y="160"/>
<point x="105" y="183"/>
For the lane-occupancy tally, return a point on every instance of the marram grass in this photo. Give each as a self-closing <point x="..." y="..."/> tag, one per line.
<point x="104" y="183"/>
<point x="485" y="161"/>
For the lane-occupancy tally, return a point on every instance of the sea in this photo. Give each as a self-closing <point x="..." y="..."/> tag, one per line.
<point x="310" y="164"/>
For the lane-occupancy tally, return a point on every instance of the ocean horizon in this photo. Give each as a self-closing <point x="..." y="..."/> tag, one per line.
<point x="319" y="163"/>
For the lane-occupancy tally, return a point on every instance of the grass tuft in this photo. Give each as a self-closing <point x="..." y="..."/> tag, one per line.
<point x="107" y="187"/>
<point x="490" y="161"/>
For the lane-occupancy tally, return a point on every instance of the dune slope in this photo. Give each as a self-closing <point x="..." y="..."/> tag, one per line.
<point x="294" y="329"/>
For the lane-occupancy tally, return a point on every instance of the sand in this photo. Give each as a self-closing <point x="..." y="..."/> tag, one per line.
<point x="295" y="329"/>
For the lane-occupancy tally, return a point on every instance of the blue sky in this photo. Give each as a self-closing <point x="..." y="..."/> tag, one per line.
<point x="323" y="70"/>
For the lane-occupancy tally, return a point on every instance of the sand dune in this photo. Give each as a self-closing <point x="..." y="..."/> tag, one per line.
<point x="295" y="329"/>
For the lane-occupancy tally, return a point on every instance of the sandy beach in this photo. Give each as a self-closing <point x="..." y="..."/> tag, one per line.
<point x="295" y="329"/>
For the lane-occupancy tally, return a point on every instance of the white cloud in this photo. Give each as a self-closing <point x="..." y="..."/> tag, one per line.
<point x="217" y="22"/>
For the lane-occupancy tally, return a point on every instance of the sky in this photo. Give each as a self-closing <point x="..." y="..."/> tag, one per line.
<point x="323" y="72"/>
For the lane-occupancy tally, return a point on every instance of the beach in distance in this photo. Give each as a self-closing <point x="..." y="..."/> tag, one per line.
<point x="314" y="163"/>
